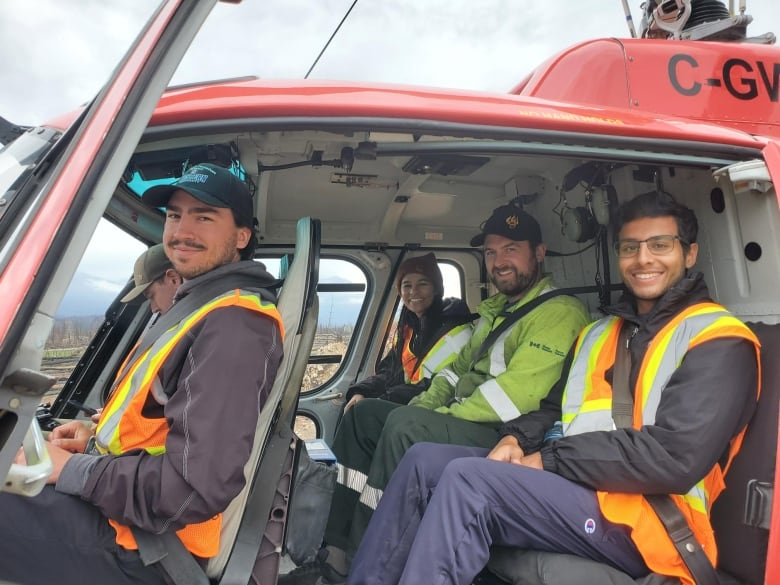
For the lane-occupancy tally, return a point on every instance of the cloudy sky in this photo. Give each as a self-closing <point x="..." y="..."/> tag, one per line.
<point x="57" y="53"/>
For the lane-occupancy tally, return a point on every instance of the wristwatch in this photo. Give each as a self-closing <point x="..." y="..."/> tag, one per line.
<point x="90" y="448"/>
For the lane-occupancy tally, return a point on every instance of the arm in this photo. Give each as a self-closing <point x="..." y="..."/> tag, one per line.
<point x="388" y="373"/>
<point x="442" y="387"/>
<point x="212" y="415"/>
<point x="707" y="401"/>
<point x="529" y="429"/>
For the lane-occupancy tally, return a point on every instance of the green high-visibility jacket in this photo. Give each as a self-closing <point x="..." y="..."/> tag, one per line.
<point x="520" y="368"/>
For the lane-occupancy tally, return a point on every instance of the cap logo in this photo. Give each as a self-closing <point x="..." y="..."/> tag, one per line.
<point x="512" y="222"/>
<point x="194" y="178"/>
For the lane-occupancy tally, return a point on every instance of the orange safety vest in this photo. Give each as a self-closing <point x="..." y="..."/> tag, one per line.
<point x="123" y="427"/>
<point x="441" y="354"/>
<point x="587" y="406"/>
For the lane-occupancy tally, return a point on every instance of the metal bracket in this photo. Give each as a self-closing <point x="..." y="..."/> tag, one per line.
<point x="758" y="503"/>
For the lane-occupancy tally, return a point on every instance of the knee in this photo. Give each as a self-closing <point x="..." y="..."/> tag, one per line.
<point x="404" y="421"/>
<point x="463" y="471"/>
<point x="419" y="455"/>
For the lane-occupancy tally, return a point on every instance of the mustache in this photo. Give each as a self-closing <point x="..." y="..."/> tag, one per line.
<point x="187" y="243"/>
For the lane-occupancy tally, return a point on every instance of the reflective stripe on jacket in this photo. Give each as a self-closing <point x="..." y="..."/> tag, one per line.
<point x="587" y="406"/>
<point x="123" y="426"/>
<point x="443" y="353"/>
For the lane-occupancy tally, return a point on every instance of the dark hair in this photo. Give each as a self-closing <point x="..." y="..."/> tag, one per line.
<point x="654" y="204"/>
<point x="248" y="252"/>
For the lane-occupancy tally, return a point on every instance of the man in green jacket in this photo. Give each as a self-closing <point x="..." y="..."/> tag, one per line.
<point x="466" y="402"/>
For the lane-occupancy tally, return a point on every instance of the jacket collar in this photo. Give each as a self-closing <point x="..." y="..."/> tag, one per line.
<point x="690" y="289"/>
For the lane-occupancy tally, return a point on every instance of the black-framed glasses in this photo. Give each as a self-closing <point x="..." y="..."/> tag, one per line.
<point x="657" y="246"/>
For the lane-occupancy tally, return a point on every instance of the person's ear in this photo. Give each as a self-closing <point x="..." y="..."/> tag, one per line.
<point x="173" y="277"/>
<point x="244" y="234"/>
<point x="690" y="257"/>
<point x="541" y="250"/>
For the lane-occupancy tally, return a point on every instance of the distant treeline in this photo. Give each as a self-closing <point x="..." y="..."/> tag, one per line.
<point x="73" y="332"/>
<point x="76" y="332"/>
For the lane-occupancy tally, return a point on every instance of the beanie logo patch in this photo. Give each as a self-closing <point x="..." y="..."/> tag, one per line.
<point x="512" y="222"/>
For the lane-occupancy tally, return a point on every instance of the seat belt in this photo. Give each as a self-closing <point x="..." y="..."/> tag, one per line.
<point x="168" y="550"/>
<point x="689" y="549"/>
<point x="511" y="319"/>
<point x="196" y="298"/>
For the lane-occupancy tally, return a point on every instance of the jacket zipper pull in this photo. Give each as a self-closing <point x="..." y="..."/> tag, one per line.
<point x="630" y="337"/>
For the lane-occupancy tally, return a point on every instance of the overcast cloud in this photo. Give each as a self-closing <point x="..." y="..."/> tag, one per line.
<point x="57" y="53"/>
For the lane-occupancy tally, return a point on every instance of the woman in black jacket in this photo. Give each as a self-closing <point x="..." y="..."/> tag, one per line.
<point x="425" y="318"/>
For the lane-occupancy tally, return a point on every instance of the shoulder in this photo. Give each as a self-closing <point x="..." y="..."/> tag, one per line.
<point x="566" y="307"/>
<point x="236" y="318"/>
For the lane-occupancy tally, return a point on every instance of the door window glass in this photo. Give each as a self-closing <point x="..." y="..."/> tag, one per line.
<point x="102" y="273"/>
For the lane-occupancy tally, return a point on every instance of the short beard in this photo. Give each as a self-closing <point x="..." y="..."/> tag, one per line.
<point x="524" y="282"/>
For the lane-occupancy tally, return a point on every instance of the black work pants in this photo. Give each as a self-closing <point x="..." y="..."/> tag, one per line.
<point x="58" y="538"/>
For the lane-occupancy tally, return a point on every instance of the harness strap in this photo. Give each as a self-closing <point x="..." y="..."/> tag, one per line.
<point x="689" y="549"/>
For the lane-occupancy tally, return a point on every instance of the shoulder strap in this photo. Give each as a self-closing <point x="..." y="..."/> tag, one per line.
<point x="510" y="320"/>
<point x="668" y="513"/>
<point x="199" y="296"/>
<point x="622" y="395"/>
<point x="166" y="549"/>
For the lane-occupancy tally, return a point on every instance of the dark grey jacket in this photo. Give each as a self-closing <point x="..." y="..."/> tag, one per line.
<point x="708" y="400"/>
<point x="217" y="380"/>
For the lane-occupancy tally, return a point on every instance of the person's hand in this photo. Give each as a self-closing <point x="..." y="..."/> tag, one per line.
<point x="534" y="460"/>
<point x="507" y="450"/>
<point x="95" y="418"/>
<point x="59" y="457"/>
<point x="71" y="436"/>
<point x="353" y="401"/>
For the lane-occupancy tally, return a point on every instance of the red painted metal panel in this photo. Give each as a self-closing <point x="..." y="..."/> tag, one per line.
<point x="258" y="99"/>
<point x="733" y="84"/>
<point x="30" y="253"/>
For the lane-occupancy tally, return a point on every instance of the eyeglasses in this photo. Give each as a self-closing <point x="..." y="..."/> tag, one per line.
<point x="657" y="246"/>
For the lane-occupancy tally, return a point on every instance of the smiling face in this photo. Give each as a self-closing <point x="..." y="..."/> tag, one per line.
<point x="649" y="276"/>
<point x="512" y="266"/>
<point x="199" y="237"/>
<point x="417" y="293"/>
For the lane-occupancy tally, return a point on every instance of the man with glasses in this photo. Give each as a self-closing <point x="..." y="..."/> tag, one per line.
<point x="654" y="399"/>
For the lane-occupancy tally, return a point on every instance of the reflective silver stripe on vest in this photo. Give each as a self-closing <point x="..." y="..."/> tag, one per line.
<point x="370" y="496"/>
<point x="497" y="359"/>
<point x="445" y="350"/>
<point x="673" y="356"/>
<point x="572" y="418"/>
<point x="669" y="360"/>
<point x="107" y="429"/>
<point x="450" y="376"/>
<point x="498" y="400"/>
<point x="350" y="478"/>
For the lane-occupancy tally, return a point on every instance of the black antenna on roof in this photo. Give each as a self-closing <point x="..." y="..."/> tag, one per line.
<point x="629" y="20"/>
<point x="313" y="65"/>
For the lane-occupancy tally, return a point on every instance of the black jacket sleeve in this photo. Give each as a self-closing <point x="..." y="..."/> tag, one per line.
<point x="403" y="393"/>
<point x="388" y="373"/>
<point x="708" y="400"/>
<point x="529" y="428"/>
